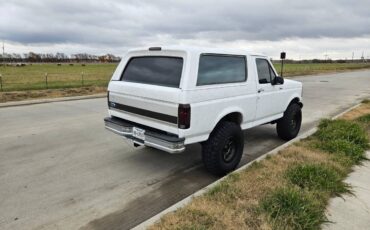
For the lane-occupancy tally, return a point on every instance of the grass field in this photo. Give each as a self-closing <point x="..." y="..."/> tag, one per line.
<point x="31" y="81"/>
<point x="316" y="68"/>
<point x="31" y="77"/>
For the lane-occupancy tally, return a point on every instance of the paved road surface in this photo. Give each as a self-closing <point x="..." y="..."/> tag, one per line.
<point x="59" y="168"/>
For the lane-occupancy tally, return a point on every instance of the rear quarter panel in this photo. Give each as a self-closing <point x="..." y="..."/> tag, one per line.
<point x="210" y="103"/>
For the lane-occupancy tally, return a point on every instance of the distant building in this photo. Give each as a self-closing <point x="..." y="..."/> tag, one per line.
<point x="109" y="58"/>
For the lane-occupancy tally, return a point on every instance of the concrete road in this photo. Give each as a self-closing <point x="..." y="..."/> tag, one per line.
<point x="59" y="168"/>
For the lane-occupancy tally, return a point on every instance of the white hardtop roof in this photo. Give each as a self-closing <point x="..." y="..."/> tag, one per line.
<point x="197" y="49"/>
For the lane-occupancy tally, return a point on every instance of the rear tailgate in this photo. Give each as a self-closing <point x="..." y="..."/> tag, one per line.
<point x="153" y="106"/>
<point x="145" y="88"/>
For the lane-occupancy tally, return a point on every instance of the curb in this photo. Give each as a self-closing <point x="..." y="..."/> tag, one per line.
<point x="49" y="100"/>
<point x="187" y="200"/>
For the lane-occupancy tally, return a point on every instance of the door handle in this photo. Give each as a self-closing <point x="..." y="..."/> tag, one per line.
<point x="260" y="90"/>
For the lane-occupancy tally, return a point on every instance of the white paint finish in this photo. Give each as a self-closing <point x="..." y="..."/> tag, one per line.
<point x="205" y="115"/>
<point x="144" y="91"/>
<point x="146" y="103"/>
<point x="169" y="127"/>
<point x="149" y="97"/>
<point x="209" y="103"/>
<point x="274" y="99"/>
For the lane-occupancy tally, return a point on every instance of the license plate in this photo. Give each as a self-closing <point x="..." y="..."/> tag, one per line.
<point x="138" y="133"/>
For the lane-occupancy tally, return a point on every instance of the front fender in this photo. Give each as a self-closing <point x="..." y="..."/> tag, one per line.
<point x="293" y="97"/>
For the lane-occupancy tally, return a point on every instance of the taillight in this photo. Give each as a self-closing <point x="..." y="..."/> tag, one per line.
<point x="108" y="99"/>
<point x="184" y="116"/>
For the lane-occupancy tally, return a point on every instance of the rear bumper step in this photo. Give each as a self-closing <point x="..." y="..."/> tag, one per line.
<point x="152" y="138"/>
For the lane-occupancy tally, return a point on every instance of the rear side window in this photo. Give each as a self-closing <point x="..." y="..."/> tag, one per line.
<point x="154" y="70"/>
<point x="265" y="73"/>
<point x="219" y="69"/>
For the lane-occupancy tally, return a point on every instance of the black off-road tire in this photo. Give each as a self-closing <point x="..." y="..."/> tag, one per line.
<point x="223" y="150"/>
<point x="289" y="125"/>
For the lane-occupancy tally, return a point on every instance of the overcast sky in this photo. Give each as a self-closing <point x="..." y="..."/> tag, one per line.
<point x="304" y="29"/>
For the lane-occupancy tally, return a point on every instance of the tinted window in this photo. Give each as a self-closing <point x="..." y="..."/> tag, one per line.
<point x="272" y="74"/>
<point x="264" y="70"/>
<point x="164" y="71"/>
<point x="218" y="69"/>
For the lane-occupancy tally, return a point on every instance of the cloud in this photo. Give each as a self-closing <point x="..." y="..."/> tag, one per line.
<point x="110" y="24"/>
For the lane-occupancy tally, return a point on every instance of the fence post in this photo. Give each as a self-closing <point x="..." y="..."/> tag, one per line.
<point x="46" y="80"/>
<point x="1" y="83"/>
<point x="82" y="78"/>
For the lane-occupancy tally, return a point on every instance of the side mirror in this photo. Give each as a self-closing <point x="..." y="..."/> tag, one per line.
<point x="278" y="80"/>
<point x="282" y="55"/>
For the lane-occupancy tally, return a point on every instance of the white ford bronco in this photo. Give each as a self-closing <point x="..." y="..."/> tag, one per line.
<point x="170" y="97"/>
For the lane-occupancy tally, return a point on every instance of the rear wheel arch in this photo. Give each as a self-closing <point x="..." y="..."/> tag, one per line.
<point x="234" y="117"/>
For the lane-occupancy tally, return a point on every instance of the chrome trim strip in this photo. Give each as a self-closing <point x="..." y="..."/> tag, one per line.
<point x="148" y="140"/>
<point x="117" y="131"/>
<point x="164" y="148"/>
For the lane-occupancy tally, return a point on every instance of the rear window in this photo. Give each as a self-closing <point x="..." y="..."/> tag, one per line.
<point x="154" y="70"/>
<point x="219" y="69"/>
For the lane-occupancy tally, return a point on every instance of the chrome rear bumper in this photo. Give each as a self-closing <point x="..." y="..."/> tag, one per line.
<point x="152" y="138"/>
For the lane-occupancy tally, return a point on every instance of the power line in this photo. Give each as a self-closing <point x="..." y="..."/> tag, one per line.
<point x="363" y="57"/>
<point x="3" y="57"/>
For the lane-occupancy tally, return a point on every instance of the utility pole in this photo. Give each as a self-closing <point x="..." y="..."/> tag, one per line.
<point x="3" y="54"/>
<point x="353" y="55"/>
<point x="362" y="57"/>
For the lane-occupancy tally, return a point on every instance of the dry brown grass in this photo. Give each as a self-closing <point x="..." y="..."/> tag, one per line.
<point x="359" y="111"/>
<point x="234" y="204"/>
<point x="50" y="93"/>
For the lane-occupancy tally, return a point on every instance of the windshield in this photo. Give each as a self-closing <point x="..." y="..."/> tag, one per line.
<point x="154" y="70"/>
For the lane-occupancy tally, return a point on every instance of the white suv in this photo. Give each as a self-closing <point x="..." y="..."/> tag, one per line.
<point x="169" y="97"/>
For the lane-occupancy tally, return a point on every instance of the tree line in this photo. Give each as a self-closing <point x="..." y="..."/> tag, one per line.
<point x="85" y="57"/>
<point x="57" y="57"/>
<point x="308" y="61"/>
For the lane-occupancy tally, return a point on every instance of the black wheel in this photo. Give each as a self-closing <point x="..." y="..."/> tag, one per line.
<point x="223" y="150"/>
<point x="289" y="125"/>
